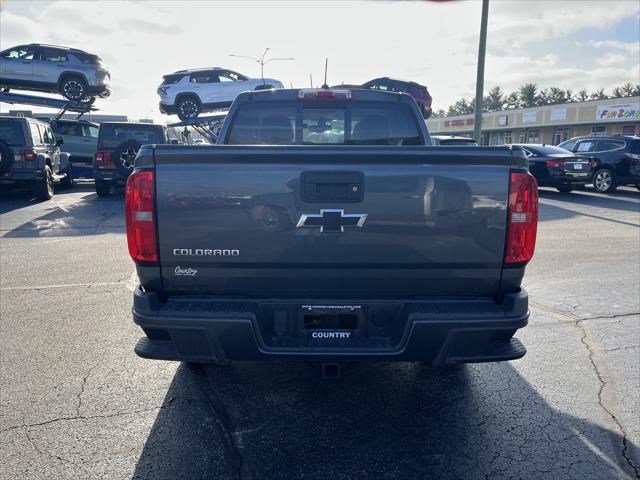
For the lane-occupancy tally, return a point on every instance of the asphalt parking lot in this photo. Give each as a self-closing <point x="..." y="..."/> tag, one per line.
<point x="76" y="402"/>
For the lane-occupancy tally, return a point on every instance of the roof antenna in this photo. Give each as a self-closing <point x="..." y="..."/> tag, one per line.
<point x="311" y="79"/>
<point x="326" y="67"/>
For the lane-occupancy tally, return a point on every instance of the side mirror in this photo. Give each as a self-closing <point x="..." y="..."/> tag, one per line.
<point x="59" y="141"/>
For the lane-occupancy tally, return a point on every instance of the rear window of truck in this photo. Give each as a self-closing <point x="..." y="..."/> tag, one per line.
<point x="458" y="142"/>
<point x="313" y="123"/>
<point x="11" y="132"/>
<point x="111" y="136"/>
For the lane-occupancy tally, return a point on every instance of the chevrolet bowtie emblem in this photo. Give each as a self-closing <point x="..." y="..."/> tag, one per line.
<point x="331" y="220"/>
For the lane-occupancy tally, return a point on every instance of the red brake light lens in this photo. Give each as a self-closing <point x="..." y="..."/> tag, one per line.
<point x="103" y="161"/>
<point x="323" y="94"/>
<point x="30" y="155"/>
<point x="555" y="163"/>
<point x="140" y="216"/>
<point x="523" y="218"/>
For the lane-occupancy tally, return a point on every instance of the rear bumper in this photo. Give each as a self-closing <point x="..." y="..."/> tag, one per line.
<point x="438" y="331"/>
<point x="101" y="91"/>
<point x="555" y="180"/>
<point x="167" y="109"/>
<point x="21" y="176"/>
<point x="112" y="176"/>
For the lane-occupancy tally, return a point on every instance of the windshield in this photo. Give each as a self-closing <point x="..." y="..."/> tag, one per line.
<point x="307" y="123"/>
<point x="11" y="132"/>
<point x="113" y="135"/>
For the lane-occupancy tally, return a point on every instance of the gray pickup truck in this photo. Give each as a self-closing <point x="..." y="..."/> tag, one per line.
<point x="325" y="227"/>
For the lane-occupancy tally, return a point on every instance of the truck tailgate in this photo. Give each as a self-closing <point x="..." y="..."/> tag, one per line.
<point x="332" y="222"/>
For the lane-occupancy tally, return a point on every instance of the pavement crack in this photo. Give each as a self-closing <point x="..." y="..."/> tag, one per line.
<point x="82" y="417"/>
<point x="105" y="216"/>
<point x="571" y="318"/>
<point x="625" y="445"/>
<point x="53" y="455"/>
<point x="223" y="420"/>
<point x="82" y="386"/>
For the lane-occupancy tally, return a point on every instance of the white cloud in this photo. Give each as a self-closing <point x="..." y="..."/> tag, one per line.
<point x="612" y="59"/>
<point x="514" y="23"/>
<point x="630" y="47"/>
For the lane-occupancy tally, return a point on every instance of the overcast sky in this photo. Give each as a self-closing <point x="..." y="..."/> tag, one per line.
<point x="570" y="44"/>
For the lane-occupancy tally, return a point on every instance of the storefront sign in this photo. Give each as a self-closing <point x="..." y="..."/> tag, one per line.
<point x="502" y="120"/>
<point x="559" y="114"/>
<point x="458" y="123"/>
<point x="529" y="117"/>
<point x="627" y="111"/>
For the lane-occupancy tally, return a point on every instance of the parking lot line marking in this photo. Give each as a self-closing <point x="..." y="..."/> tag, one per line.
<point x="65" y="285"/>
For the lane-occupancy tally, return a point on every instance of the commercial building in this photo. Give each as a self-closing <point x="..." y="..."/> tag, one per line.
<point x="550" y="124"/>
<point x="90" y="116"/>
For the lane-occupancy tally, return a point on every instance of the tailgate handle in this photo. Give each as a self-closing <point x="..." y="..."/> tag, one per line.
<point x="331" y="187"/>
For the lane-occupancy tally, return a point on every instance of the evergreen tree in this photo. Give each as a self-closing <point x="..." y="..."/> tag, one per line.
<point x="494" y="100"/>
<point x="543" y="97"/>
<point x="512" y="100"/>
<point x="528" y="95"/>
<point x="557" y="95"/>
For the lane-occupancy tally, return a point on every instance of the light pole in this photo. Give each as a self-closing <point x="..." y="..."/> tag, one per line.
<point x="477" y="122"/>
<point x="261" y="61"/>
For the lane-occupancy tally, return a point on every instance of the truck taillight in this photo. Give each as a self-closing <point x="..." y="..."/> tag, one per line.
<point x="556" y="163"/>
<point x="103" y="161"/>
<point x="30" y="155"/>
<point x="523" y="218"/>
<point x="140" y="217"/>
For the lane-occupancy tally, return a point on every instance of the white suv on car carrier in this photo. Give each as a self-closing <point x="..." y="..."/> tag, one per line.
<point x="190" y="92"/>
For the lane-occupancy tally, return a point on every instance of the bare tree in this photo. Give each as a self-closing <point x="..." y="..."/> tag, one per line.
<point x="598" y="95"/>
<point x="581" y="96"/>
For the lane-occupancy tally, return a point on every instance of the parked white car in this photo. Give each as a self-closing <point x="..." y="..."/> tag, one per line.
<point x="190" y="92"/>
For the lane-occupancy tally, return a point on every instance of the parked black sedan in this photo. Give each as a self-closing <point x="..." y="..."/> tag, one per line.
<point x="557" y="167"/>
<point x="616" y="159"/>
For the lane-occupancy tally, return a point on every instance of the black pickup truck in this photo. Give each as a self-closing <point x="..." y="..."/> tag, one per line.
<point x="325" y="227"/>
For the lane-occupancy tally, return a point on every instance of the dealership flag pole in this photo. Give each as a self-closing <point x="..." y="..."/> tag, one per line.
<point x="477" y="123"/>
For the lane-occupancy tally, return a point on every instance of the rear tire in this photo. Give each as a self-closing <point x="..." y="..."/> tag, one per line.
<point x="188" y="107"/>
<point x="564" y="189"/>
<point x="6" y="157"/>
<point x="604" y="181"/>
<point x="44" y="187"/>
<point x="73" y="88"/>
<point x="67" y="181"/>
<point x="103" y="189"/>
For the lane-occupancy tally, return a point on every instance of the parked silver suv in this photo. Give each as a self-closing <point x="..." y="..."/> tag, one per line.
<point x="76" y="74"/>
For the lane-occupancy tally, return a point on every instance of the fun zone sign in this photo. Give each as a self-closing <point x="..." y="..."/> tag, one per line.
<point x="627" y="111"/>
